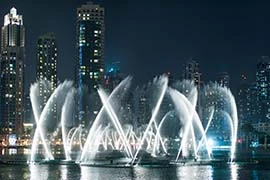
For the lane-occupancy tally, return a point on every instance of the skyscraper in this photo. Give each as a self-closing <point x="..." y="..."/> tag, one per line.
<point x="90" y="45"/>
<point x="263" y="89"/>
<point x="247" y="102"/>
<point x="113" y="75"/>
<point x="12" y="74"/>
<point x="90" y="53"/>
<point x="224" y="79"/>
<point x="47" y="68"/>
<point x="191" y="72"/>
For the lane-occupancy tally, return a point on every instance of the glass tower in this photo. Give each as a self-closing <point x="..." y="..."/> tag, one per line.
<point x="263" y="89"/>
<point x="12" y="75"/>
<point x="90" y="54"/>
<point x="47" y="68"/>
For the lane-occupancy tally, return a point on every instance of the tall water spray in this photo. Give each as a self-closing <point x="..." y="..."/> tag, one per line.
<point x="66" y="114"/>
<point x="164" y="81"/>
<point x="224" y="103"/>
<point x="188" y="114"/>
<point x="108" y="131"/>
<point x="90" y="137"/>
<point x="41" y="118"/>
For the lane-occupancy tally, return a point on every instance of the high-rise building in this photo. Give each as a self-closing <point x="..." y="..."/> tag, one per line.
<point x="12" y="75"/>
<point x="47" y="68"/>
<point x="90" y="53"/>
<point x="243" y="104"/>
<point x="144" y="111"/>
<point x="263" y="89"/>
<point x="223" y="79"/>
<point x="28" y="113"/>
<point x="113" y="75"/>
<point x="191" y="72"/>
<point x="90" y="45"/>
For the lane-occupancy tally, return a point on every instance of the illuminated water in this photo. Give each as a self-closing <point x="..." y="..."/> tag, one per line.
<point x="231" y="172"/>
<point x="113" y="129"/>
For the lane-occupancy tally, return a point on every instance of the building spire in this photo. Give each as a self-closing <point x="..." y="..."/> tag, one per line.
<point x="13" y="11"/>
<point x="13" y="18"/>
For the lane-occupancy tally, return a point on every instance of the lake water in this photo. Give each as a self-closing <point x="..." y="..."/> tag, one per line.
<point x="52" y="172"/>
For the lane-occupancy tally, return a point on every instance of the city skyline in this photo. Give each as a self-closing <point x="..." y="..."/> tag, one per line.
<point x="134" y="85"/>
<point x="160" y="36"/>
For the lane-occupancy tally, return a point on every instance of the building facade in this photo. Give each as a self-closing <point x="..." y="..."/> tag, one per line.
<point x="113" y="76"/>
<point x="223" y="79"/>
<point x="47" y="58"/>
<point x="12" y="74"/>
<point x="89" y="72"/>
<point x="263" y="89"/>
<point x="191" y="72"/>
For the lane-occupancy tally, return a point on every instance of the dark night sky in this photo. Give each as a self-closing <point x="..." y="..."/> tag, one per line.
<point x="150" y="37"/>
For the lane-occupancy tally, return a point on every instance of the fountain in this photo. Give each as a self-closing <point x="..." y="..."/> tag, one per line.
<point x="112" y="140"/>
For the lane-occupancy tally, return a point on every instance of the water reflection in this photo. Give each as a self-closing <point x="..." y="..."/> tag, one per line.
<point x="254" y="174"/>
<point x="105" y="173"/>
<point x="154" y="173"/>
<point x="41" y="172"/>
<point x="195" y="172"/>
<point x="38" y="172"/>
<point x="70" y="172"/>
<point x="234" y="171"/>
<point x="13" y="172"/>
<point x="66" y="172"/>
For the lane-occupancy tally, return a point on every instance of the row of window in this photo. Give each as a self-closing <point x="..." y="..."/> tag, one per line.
<point x="90" y="10"/>
<point x="91" y="18"/>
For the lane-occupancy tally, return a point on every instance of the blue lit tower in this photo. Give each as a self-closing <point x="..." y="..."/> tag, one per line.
<point x="90" y="52"/>
<point x="12" y="74"/>
<point x="113" y="75"/>
<point x="263" y="89"/>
